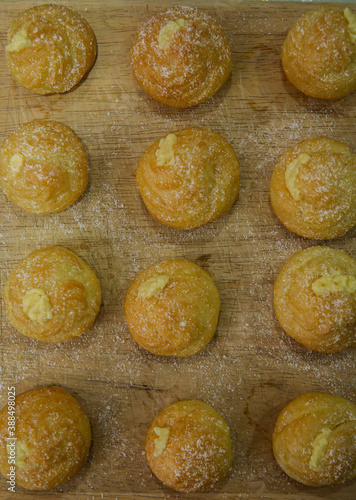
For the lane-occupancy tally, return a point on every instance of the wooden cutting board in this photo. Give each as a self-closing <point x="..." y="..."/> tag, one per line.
<point x="251" y="369"/>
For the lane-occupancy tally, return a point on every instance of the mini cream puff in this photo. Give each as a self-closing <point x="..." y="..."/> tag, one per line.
<point x="314" y="440"/>
<point x="188" y="447"/>
<point x="181" y="56"/>
<point x="43" y="167"/>
<point x="172" y="308"/>
<point x="313" y="188"/>
<point x="50" y="48"/>
<point x="51" y="442"/>
<point x="319" y="53"/>
<point x="52" y="295"/>
<point x="315" y="299"/>
<point x="189" y="177"/>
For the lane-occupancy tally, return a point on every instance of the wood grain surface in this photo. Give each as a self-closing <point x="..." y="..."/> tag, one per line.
<point x="251" y="369"/>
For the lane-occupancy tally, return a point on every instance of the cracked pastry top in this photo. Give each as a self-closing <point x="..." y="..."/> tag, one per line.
<point x="315" y="299"/>
<point x="181" y="56"/>
<point x="314" y="439"/>
<point x="172" y="308"/>
<point x="189" y="178"/>
<point x="188" y="446"/>
<point x="313" y="188"/>
<point x="50" y="49"/>
<point x="52" y="295"/>
<point x="53" y="438"/>
<point x="319" y="53"/>
<point x="43" y="167"/>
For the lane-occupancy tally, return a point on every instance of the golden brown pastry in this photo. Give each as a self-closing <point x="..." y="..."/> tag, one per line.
<point x="314" y="440"/>
<point x="52" y="295"/>
<point x="188" y="446"/>
<point x="172" y="308"/>
<point x="181" y="56"/>
<point x="319" y="53"/>
<point x="51" y="48"/>
<point x="43" y="167"/>
<point x="189" y="178"/>
<point x="52" y="439"/>
<point x="313" y="188"/>
<point x="315" y="299"/>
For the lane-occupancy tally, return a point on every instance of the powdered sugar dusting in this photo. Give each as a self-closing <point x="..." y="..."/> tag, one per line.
<point x="59" y="49"/>
<point x="251" y="369"/>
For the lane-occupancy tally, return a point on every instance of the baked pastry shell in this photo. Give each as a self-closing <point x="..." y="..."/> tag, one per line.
<point x="53" y="437"/>
<point x="71" y="286"/>
<point x="319" y="55"/>
<point x="314" y="439"/>
<point x="62" y="49"/>
<point x="198" y="455"/>
<point x="179" y="319"/>
<point x="324" y="322"/>
<point x="327" y="184"/>
<point x="43" y="167"/>
<point x="194" y="65"/>
<point x="198" y="186"/>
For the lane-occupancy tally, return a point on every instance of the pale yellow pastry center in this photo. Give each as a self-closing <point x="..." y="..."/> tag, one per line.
<point x="16" y="162"/>
<point x="333" y="283"/>
<point x="165" y="153"/>
<point x="21" y="453"/>
<point x="319" y="445"/>
<point x="36" y="306"/>
<point x="166" y="33"/>
<point x="152" y="286"/>
<point x="350" y="16"/>
<point x="19" y="41"/>
<point x="291" y="175"/>
<point x="161" y="440"/>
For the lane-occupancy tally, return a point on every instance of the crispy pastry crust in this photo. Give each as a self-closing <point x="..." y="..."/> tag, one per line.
<point x="53" y="438"/>
<point x="315" y="299"/>
<point x="324" y="205"/>
<point x="197" y="455"/>
<point x="178" y="314"/>
<point x="188" y="69"/>
<point x="43" y="167"/>
<point x="196" y="186"/>
<point x="314" y="440"/>
<point x="319" y="54"/>
<point x="53" y="50"/>
<point x="72" y="291"/>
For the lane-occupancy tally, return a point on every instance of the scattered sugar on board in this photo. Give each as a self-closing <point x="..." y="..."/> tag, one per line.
<point x="251" y="369"/>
